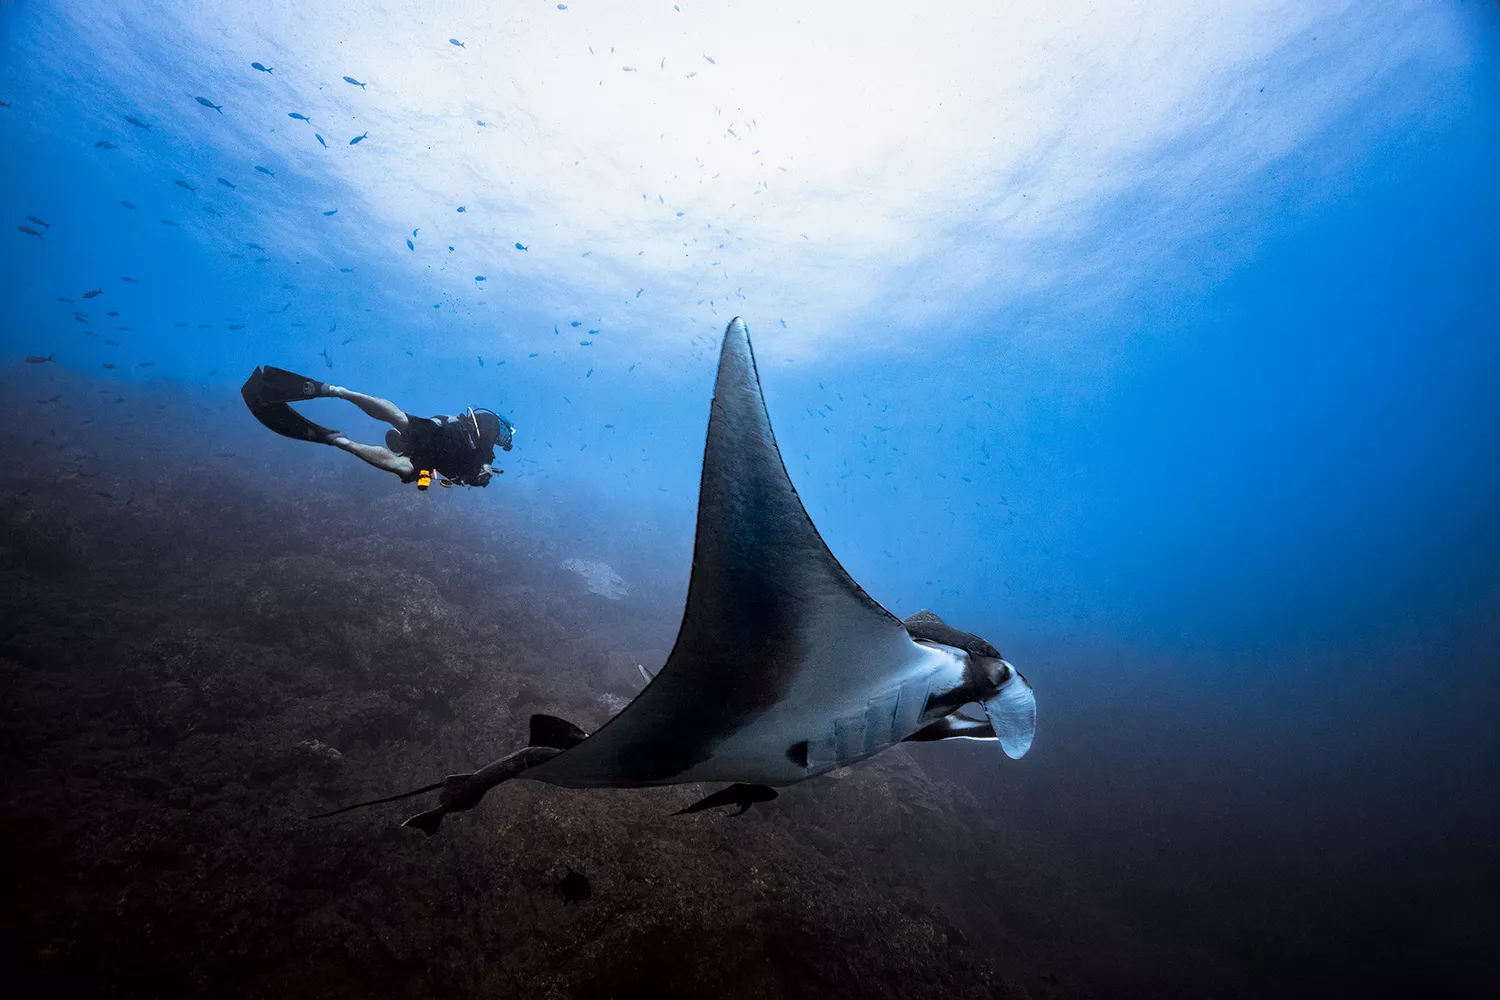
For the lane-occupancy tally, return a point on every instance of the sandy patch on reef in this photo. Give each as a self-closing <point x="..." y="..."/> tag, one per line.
<point x="600" y="577"/>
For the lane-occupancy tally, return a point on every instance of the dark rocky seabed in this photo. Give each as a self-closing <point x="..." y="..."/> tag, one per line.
<point x="207" y="634"/>
<point x="193" y="664"/>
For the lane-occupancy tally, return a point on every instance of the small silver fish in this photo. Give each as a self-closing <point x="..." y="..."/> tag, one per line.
<point x="350" y="79"/>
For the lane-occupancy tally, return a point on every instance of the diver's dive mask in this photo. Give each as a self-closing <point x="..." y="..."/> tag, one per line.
<point x="490" y="428"/>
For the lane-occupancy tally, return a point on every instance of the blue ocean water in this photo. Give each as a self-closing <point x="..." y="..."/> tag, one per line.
<point x="1158" y="347"/>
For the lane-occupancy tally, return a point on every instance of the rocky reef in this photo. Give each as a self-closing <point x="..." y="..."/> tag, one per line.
<point x="194" y="659"/>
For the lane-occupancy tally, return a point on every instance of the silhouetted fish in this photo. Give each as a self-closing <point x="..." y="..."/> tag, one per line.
<point x="711" y="60"/>
<point x="463" y="208"/>
<point x="186" y="186"/>
<point x="147" y="364"/>
<point x="455" y="41"/>
<point x="410" y="245"/>
<point x="113" y="312"/>
<point x="585" y="343"/>
<point x="136" y="121"/>
<point x="522" y="246"/>
<point x="168" y="222"/>
<point x="255" y="246"/>
<point x="481" y="361"/>
<point x="359" y="139"/>
<point x="299" y="117"/>
<point x="327" y="360"/>
<point x="29" y="231"/>
<point x="210" y="104"/>
<point x="320" y="140"/>
<point x="105" y="144"/>
<point x="226" y="183"/>
<point x="92" y="293"/>
<point x="37" y="359"/>
<point x="263" y="69"/>
<point x="61" y="299"/>
<point x="111" y="343"/>
<point x="109" y="366"/>
<point x="350" y="79"/>
<point x="265" y="171"/>
<point x="346" y="270"/>
<point x="478" y="277"/>
<point x="332" y="211"/>
<point x="574" y="887"/>
<point x="236" y="326"/>
<point x="44" y="225"/>
<point x="126" y="204"/>
<point x="128" y="280"/>
<point x="575" y="323"/>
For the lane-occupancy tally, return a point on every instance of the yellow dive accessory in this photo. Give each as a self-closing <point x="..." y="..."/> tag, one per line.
<point x="424" y="478"/>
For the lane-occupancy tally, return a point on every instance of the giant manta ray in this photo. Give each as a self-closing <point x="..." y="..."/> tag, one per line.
<point x="784" y="668"/>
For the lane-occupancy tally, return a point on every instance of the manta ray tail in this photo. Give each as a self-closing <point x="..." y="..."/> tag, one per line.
<point x="376" y="802"/>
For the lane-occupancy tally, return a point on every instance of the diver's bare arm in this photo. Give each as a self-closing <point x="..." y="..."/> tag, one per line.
<point x="374" y="406"/>
<point x="374" y="454"/>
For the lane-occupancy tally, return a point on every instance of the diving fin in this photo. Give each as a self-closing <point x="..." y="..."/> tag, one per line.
<point x="277" y="385"/>
<point x="273" y="412"/>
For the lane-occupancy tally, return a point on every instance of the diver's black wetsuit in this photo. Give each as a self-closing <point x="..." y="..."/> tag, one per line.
<point x="447" y="445"/>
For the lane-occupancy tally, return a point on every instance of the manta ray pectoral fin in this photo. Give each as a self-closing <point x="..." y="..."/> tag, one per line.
<point x="550" y="731"/>
<point x="741" y="795"/>
<point x="776" y="638"/>
<point x="1012" y="711"/>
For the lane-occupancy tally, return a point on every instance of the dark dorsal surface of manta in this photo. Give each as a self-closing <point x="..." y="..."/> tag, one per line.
<point x="784" y="668"/>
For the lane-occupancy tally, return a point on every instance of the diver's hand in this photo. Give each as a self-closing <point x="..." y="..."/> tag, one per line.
<point x="483" y="478"/>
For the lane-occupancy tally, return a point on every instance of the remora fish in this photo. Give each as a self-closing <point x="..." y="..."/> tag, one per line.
<point x="784" y="668"/>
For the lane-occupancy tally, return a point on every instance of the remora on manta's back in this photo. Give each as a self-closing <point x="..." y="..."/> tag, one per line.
<point x="783" y="669"/>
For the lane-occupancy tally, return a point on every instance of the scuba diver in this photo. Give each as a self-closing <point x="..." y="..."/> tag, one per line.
<point x="459" y="449"/>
